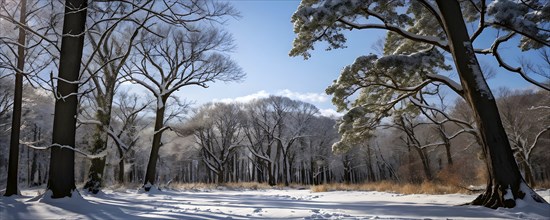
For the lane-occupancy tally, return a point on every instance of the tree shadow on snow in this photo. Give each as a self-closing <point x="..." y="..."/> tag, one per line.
<point x="209" y="205"/>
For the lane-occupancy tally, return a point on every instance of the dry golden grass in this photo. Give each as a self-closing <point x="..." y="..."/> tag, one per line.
<point x="322" y="188"/>
<point x="382" y="186"/>
<point x="387" y="186"/>
<point x="247" y="185"/>
<point x="542" y="185"/>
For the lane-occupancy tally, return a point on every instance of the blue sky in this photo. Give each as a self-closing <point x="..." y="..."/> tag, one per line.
<point x="264" y="35"/>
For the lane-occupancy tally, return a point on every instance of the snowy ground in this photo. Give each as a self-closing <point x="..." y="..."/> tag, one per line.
<point x="257" y="204"/>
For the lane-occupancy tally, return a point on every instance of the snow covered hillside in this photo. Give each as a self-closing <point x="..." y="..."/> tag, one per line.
<point x="257" y="204"/>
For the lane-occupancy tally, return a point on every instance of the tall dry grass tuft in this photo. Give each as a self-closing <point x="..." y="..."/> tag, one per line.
<point x="542" y="184"/>
<point x="321" y="188"/>
<point x="392" y="187"/>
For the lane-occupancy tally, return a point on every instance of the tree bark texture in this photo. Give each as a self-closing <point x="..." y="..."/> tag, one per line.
<point x="61" y="177"/>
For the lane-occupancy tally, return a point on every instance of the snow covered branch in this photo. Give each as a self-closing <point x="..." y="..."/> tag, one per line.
<point x="537" y="137"/>
<point x="89" y="156"/>
<point x="447" y="81"/>
<point x="386" y="26"/>
<point x="494" y="51"/>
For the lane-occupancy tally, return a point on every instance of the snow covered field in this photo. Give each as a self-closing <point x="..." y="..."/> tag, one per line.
<point x="256" y="204"/>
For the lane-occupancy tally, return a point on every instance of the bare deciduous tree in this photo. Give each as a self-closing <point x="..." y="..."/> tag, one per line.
<point x="16" y="52"/>
<point x="525" y="124"/>
<point x="218" y="131"/>
<point x="180" y="58"/>
<point x="110" y="48"/>
<point x="128" y="117"/>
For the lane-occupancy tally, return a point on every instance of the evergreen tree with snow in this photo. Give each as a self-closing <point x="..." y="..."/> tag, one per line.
<point x="420" y="34"/>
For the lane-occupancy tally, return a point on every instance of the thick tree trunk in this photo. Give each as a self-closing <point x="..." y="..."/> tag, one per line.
<point x="278" y="162"/>
<point x="150" y="174"/>
<point x="270" y="168"/>
<point x="120" y="166"/>
<point x="104" y="100"/>
<point x="286" y="174"/>
<point x="103" y="115"/>
<point x="13" y="162"/>
<point x="95" y="173"/>
<point x="504" y="174"/>
<point x="271" y="174"/>
<point x="347" y="170"/>
<point x="61" y="178"/>
<point x="220" y="176"/>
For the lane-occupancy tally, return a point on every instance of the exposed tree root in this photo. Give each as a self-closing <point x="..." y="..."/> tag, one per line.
<point x="496" y="196"/>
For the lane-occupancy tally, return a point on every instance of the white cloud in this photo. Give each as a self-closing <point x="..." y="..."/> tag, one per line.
<point x="309" y="97"/>
<point x="331" y="113"/>
<point x="306" y="97"/>
<point x="246" y="98"/>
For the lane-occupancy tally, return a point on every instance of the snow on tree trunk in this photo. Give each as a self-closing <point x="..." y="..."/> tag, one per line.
<point x="503" y="187"/>
<point x="95" y="174"/>
<point x="61" y="177"/>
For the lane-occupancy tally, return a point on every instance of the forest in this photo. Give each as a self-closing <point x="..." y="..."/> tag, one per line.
<point x="278" y="140"/>
<point x="91" y="96"/>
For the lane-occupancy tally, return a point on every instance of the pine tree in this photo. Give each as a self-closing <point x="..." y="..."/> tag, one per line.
<point x="420" y="33"/>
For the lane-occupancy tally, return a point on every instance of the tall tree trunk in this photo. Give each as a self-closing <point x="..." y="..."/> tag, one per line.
<point x="527" y="172"/>
<point x="34" y="181"/>
<point x="447" y="144"/>
<point x="34" y="165"/>
<point x="504" y="174"/>
<point x="347" y="169"/>
<point x="220" y="176"/>
<point x="152" y="165"/>
<point x="369" y="165"/>
<point x="121" y="166"/>
<point x="104" y="99"/>
<point x="270" y="167"/>
<point x="286" y="173"/>
<point x="103" y="115"/>
<point x="13" y="163"/>
<point x="271" y="173"/>
<point x="61" y="178"/>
